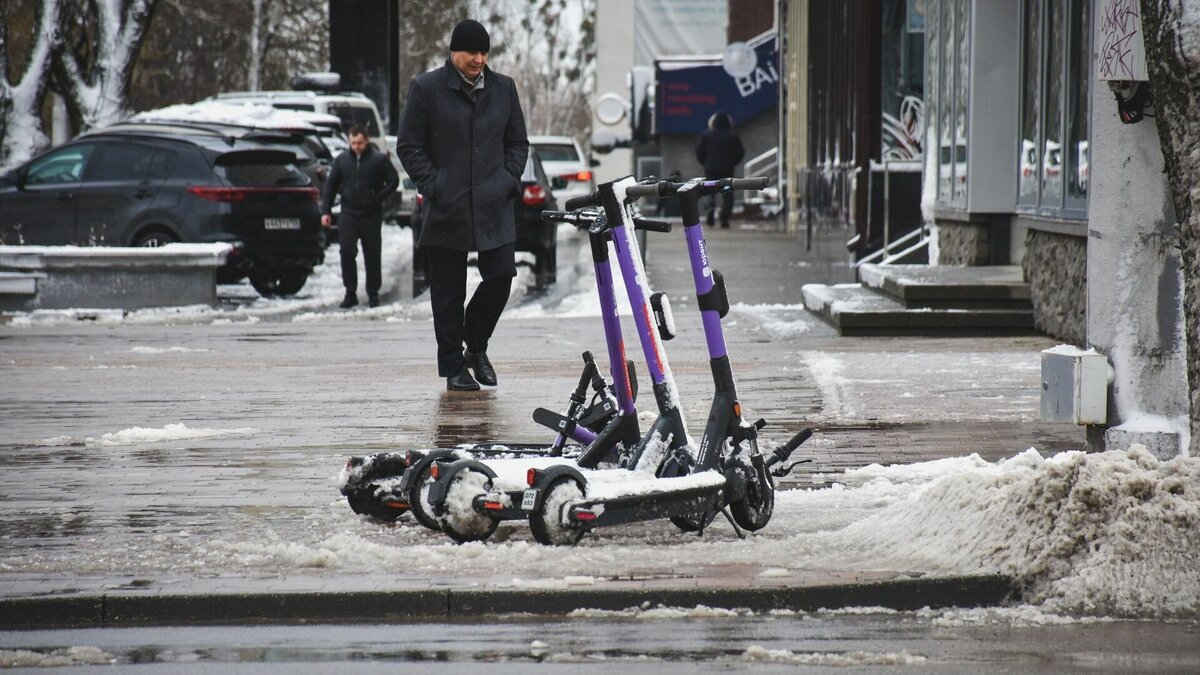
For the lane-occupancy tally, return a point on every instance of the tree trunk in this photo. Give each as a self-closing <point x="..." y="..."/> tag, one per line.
<point x="93" y="70"/>
<point x="21" y="133"/>
<point x="1172" y="37"/>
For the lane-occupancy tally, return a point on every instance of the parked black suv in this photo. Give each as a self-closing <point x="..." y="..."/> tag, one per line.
<point x="533" y="234"/>
<point x="138" y="187"/>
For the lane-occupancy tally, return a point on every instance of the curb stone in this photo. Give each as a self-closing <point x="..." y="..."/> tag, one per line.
<point x="120" y="609"/>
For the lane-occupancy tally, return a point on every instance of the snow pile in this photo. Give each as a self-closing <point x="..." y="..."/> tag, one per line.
<point x="70" y="656"/>
<point x="1108" y="533"/>
<point x="171" y="432"/>
<point x="660" y="612"/>
<point x="757" y="654"/>
<point x="251" y="115"/>
<point x="166" y="350"/>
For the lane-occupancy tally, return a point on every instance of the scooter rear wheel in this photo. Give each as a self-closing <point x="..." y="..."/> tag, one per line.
<point x="546" y="523"/>
<point x="418" y="500"/>
<point x="753" y="512"/>
<point x="461" y="521"/>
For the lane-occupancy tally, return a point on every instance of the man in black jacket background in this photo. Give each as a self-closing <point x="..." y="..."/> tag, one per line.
<point x="363" y="177"/>
<point x="719" y="150"/>
<point x="462" y="140"/>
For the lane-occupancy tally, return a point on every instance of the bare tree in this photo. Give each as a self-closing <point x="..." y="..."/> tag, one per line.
<point x="21" y="134"/>
<point x="1172" y="33"/>
<point x="539" y="44"/>
<point x="425" y="35"/>
<point x="93" y="70"/>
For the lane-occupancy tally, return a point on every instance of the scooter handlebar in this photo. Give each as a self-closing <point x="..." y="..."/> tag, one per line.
<point x="666" y="188"/>
<point x="582" y="201"/>
<point x="651" y="225"/>
<point x="576" y="218"/>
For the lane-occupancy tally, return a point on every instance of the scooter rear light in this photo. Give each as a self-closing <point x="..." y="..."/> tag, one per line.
<point x="492" y="506"/>
<point x="396" y="504"/>
<point x="737" y="409"/>
<point x="583" y="515"/>
<point x="434" y="470"/>
<point x="531" y="477"/>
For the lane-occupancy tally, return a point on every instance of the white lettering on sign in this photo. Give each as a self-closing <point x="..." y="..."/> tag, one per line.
<point x="753" y="82"/>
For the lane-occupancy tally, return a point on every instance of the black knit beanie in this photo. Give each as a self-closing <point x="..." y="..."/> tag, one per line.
<point x="470" y="36"/>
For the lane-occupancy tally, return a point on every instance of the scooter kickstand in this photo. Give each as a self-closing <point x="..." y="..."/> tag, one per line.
<point x="729" y="516"/>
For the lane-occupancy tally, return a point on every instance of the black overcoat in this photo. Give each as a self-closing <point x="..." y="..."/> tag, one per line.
<point x="466" y="157"/>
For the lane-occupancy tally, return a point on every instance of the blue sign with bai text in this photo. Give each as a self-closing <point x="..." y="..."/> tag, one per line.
<point x="688" y="93"/>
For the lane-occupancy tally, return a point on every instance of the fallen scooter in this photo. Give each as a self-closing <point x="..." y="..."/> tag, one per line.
<point x="472" y="497"/>
<point x="726" y="472"/>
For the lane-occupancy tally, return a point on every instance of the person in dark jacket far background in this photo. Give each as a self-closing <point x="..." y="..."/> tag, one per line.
<point x="719" y="151"/>
<point x="364" y="177"/>
<point x="462" y="140"/>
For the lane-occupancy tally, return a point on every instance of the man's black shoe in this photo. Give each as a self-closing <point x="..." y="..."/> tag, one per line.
<point x="482" y="368"/>
<point x="373" y="301"/>
<point x="349" y="301"/>
<point x="462" y="381"/>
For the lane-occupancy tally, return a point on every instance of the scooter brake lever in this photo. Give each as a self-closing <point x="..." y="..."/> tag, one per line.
<point x="785" y="470"/>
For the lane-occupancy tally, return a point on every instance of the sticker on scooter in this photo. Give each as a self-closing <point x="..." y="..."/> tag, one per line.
<point x="529" y="499"/>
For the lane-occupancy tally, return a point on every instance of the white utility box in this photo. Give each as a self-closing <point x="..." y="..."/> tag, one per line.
<point x="1074" y="385"/>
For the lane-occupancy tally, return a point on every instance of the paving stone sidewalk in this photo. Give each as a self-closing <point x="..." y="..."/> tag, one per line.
<point x="308" y="394"/>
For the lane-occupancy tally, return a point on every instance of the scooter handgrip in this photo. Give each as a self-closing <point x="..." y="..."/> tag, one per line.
<point x="784" y="451"/>
<point x="582" y="201"/>
<point x="652" y="225"/>
<point x="751" y="184"/>
<point x="557" y="216"/>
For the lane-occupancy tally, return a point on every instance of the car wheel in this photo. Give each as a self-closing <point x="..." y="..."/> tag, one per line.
<point x="279" y="282"/>
<point x="155" y="238"/>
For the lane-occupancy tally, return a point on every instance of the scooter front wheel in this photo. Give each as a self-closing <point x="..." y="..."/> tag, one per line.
<point x="364" y="502"/>
<point x="754" y="511"/>
<point x="418" y="500"/>
<point x="547" y="524"/>
<point x="461" y="521"/>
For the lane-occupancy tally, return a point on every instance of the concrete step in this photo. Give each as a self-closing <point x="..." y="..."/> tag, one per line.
<point x="857" y="310"/>
<point x="18" y="290"/>
<point x="991" y="287"/>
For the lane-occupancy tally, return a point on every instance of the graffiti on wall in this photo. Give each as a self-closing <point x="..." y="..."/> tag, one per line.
<point x="1122" y="55"/>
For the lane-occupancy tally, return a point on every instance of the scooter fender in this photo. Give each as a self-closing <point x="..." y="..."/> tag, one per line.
<point x="446" y="473"/>
<point x="414" y="471"/>
<point x="361" y="470"/>
<point x="547" y="476"/>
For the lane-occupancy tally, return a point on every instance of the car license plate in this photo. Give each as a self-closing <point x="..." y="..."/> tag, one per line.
<point x="281" y="223"/>
<point x="529" y="499"/>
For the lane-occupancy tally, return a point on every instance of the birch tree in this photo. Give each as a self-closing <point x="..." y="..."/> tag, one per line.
<point x="1172" y="36"/>
<point x="101" y="41"/>
<point x="21" y="134"/>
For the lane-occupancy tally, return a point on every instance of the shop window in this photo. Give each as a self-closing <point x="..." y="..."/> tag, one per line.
<point x="947" y="32"/>
<point x="1056" y="67"/>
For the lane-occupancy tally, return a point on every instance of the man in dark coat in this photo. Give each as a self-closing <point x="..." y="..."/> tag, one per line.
<point x="719" y="150"/>
<point x="363" y="177"/>
<point x="462" y="140"/>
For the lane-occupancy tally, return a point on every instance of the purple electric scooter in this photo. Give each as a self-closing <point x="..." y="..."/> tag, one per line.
<point x="667" y="475"/>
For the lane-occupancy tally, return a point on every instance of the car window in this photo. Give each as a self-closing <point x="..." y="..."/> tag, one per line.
<point x="160" y="165"/>
<point x="132" y="162"/>
<point x="263" y="174"/>
<point x="557" y="152"/>
<point x="355" y="114"/>
<point x="295" y="106"/>
<point x="64" y="165"/>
